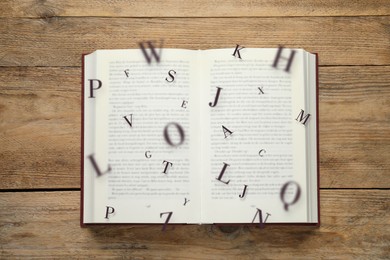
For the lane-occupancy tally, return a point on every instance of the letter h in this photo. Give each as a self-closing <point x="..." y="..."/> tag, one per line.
<point x="289" y="60"/>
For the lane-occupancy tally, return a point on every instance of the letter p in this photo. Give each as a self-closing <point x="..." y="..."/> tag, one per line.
<point x="91" y="86"/>
<point x="109" y="210"/>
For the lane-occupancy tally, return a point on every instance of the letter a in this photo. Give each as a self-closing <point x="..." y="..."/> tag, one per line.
<point x="225" y="130"/>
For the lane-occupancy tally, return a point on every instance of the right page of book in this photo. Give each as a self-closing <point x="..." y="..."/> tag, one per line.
<point x="255" y="113"/>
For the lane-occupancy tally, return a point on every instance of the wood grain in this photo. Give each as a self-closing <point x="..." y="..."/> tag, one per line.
<point x="355" y="127"/>
<point x="40" y="127"/>
<point x="40" y="110"/>
<point x="60" y="41"/>
<point x="355" y="224"/>
<point x="41" y="42"/>
<point x="200" y="8"/>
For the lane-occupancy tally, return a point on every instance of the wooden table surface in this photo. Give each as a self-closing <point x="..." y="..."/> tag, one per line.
<point x="41" y="43"/>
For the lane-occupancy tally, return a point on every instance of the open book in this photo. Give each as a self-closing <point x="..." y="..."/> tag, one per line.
<point x="200" y="136"/>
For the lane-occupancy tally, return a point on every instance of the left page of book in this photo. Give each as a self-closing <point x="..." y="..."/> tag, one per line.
<point x="140" y="139"/>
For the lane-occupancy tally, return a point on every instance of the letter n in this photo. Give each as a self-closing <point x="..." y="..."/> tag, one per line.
<point x="261" y="223"/>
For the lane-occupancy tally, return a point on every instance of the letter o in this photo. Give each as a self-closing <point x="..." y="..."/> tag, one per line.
<point x="179" y="129"/>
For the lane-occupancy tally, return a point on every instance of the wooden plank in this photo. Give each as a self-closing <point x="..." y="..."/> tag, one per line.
<point x="40" y="114"/>
<point x="61" y="41"/>
<point x="355" y="126"/>
<point x="355" y="224"/>
<point x="199" y="8"/>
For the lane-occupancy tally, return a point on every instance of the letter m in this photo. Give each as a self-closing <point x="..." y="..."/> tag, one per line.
<point x="301" y="118"/>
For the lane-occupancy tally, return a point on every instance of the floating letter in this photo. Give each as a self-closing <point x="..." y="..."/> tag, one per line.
<point x="185" y="201"/>
<point x="91" y="88"/>
<point x="109" y="210"/>
<point x="262" y="150"/>
<point x="301" y="118"/>
<point x="278" y="56"/>
<point x="184" y="104"/>
<point x="167" y="220"/>
<point x="96" y="167"/>
<point x="261" y="90"/>
<point x="261" y="223"/>
<point x="127" y="72"/>
<point x="243" y="193"/>
<point x="225" y="130"/>
<point x="166" y="166"/>
<point x="181" y="133"/>
<point x="171" y="76"/>
<point x="237" y="50"/>
<point x="147" y="154"/>
<point x="130" y="122"/>
<point x="152" y="50"/>
<point x="225" y="165"/>
<point x="216" y="98"/>
<point x="283" y="191"/>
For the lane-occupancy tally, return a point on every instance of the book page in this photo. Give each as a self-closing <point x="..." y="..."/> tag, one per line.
<point x="88" y="115"/>
<point x="146" y="120"/>
<point x="251" y="140"/>
<point x="312" y="153"/>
